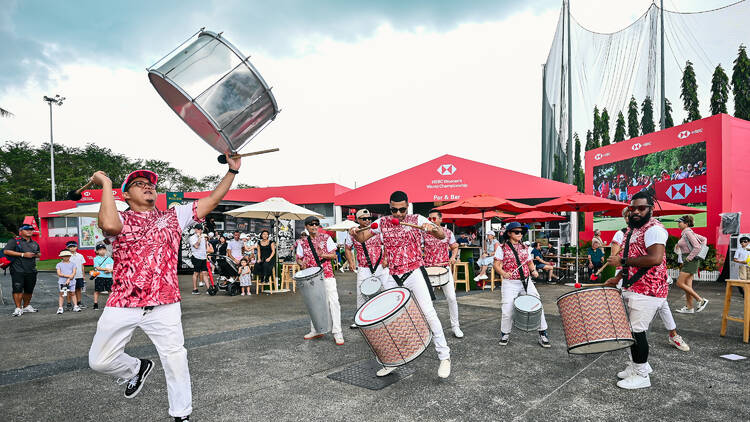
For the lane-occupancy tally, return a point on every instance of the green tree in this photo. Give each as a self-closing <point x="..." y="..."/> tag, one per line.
<point x="689" y="93"/>
<point x="719" y="91"/>
<point x="668" y="121"/>
<point x="589" y="140"/>
<point x="633" y="118"/>
<point x="578" y="167"/>
<point x="559" y="172"/>
<point x="619" y="128"/>
<point x="596" y="132"/>
<point x="647" y="116"/>
<point x="604" y="127"/>
<point x="741" y="84"/>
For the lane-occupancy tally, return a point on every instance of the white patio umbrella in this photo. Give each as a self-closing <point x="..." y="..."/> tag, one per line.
<point x="342" y="226"/>
<point x="89" y="210"/>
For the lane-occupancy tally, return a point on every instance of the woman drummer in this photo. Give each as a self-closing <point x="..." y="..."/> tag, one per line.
<point x="513" y="262"/>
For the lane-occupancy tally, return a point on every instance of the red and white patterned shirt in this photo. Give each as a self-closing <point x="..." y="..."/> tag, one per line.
<point x="374" y="249"/>
<point x="437" y="251"/>
<point x="145" y="255"/>
<point x="403" y="244"/>
<point x="654" y="282"/>
<point x="510" y="266"/>
<point x="322" y="242"/>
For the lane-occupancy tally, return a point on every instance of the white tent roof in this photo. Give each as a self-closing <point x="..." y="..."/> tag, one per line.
<point x="89" y="210"/>
<point x="273" y="208"/>
<point x="342" y="226"/>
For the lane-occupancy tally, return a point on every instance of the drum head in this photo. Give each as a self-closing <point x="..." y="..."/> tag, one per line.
<point x="307" y="272"/>
<point x="370" y="286"/>
<point x="382" y="306"/>
<point x="527" y="303"/>
<point x="436" y="270"/>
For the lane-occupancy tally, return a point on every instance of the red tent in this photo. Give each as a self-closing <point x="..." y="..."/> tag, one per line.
<point x="535" y="217"/>
<point x="464" y="220"/>
<point x="483" y="203"/>
<point x="580" y="202"/>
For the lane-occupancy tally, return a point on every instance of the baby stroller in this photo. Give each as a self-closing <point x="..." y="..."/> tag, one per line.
<point x="228" y="277"/>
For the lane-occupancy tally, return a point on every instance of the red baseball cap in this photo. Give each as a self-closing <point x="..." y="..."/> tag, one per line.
<point x="148" y="174"/>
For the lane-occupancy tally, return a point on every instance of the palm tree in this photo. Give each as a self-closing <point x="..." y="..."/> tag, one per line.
<point x="5" y="113"/>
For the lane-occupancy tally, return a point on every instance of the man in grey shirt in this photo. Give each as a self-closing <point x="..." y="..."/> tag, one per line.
<point x="24" y="251"/>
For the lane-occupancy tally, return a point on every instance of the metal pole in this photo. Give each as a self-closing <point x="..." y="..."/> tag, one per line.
<point x="545" y="151"/>
<point x="663" y="99"/>
<point x="570" y="106"/>
<point x="51" y="151"/>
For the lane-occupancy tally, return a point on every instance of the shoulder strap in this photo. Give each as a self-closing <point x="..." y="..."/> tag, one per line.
<point x="628" y="281"/>
<point x="312" y="248"/>
<point x="518" y="263"/>
<point x="369" y="261"/>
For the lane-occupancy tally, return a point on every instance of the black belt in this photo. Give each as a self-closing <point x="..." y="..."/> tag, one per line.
<point x="400" y="280"/>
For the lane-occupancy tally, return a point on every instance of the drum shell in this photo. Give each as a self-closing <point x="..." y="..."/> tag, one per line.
<point x="527" y="320"/>
<point x="314" y="294"/>
<point x="400" y="337"/>
<point x="216" y="91"/>
<point x="595" y="320"/>
<point x="370" y="282"/>
<point x="438" y="278"/>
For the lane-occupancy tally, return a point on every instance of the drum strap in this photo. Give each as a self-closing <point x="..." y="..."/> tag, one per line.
<point x="628" y="281"/>
<point x="520" y="268"/>
<point x="369" y="261"/>
<point x="401" y="278"/>
<point x="315" y="254"/>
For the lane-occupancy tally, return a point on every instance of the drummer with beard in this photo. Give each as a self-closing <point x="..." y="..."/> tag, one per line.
<point x="645" y="286"/>
<point x="403" y="247"/>
<point x="370" y="258"/>
<point x="510" y="260"/>
<point x="444" y="253"/>
<point x="320" y="255"/>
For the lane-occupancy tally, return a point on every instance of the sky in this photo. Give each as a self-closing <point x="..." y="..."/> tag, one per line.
<point x="366" y="88"/>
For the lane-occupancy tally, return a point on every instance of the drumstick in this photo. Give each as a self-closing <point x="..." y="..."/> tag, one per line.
<point x="595" y="276"/>
<point x="75" y="195"/>
<point x="223" y="158"/>
<point x="579" y="285"/>
<point x="395" y="220"/>
<point x="371" y="226"/>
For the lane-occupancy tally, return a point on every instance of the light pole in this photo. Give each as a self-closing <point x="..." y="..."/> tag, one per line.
<point x="57" y="100"/>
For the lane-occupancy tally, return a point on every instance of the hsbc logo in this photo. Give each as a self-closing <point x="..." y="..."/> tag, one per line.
<point x="86" y="193"/>
<point x="636" y="146"/>
<point x="446" y="169"/>
<point x="685" y="133"/>
<point x="679" y="191"/>
<point x="598" y="157"/>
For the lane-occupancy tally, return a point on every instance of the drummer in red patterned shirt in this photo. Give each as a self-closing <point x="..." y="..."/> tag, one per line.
<point x="403" y="247"/>
<point x="443" y="253"/>
<point x="325" y="251"/>
<point x="145" y="293"/>
<point x="645" y="286"/>
<point x="371" y="261"/>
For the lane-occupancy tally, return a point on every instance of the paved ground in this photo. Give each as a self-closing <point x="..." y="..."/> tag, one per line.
<point x="249" y="362"/>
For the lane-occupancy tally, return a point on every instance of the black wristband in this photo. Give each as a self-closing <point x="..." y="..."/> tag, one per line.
<point x="233" y="171"/>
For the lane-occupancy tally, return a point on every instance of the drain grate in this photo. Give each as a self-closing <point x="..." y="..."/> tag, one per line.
<point x="362" y="374"/>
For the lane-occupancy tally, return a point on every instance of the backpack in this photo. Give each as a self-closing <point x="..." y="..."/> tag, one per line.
<point x="5" y="261"/>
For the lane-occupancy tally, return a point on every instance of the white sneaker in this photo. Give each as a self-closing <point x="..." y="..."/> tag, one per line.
<point x="444" y="370"/>
<point x="385" y="371"/>
<point x="634" y="382"/>
<point x="200" y="284"/>
<point x="458" y="333"/>
<point x="59" y="310"/>
<point x="76" y="309"/>
<point x="29" y="308"/>
<point x="242" y="294"/>
<point x="18" y="312"/>
<point x="483" y="277"/>
<point x="685" y="310"/>
<point x="702" y="305"/>
<point x="311" y="335"/>
<point x="630" y="371"/>
<point x="339" y="339"/>
<point x="679" y="343"/>
<point x="477" y="278"/>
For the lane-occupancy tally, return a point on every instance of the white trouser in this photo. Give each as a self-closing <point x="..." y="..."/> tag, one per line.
<point x="510" y="290"/>
<point x="333" y="306"/>
<point x="163" y="325"/>
<point x="416" y="284"/>
<point x="449" y="290"/>
<point x="364" y="273"/>
<point x="664" y="312"/>
<point x="642" y="309"/>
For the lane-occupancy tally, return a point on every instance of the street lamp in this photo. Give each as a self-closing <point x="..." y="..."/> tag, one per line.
<point x="57" y="100"/>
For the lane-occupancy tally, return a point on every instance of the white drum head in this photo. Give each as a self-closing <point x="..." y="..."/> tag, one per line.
<point x="307" y="272"/>
<point x="370" y="286"/>
<point x="436" y="270"/>
<point x="382" y="306"/>
<point x="527" y="303"/>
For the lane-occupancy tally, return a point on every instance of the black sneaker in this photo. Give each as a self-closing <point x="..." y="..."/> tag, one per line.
<point x="136" y="383"/>
<point x="96" y="306"/>
<point x="69" y="307"/>
<point x="353" y="326"/>
<point x="181" y="418"/>
<point x="543" y="340"/>
<point x="504" y="338"/>
<point x="196" y="292"/>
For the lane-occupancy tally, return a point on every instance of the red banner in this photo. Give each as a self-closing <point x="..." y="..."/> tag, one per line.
<point x="689" y="190"/>
<point x="95" y="195"/>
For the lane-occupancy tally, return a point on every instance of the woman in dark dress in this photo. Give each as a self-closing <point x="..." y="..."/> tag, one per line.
<point x="266" y="251"/>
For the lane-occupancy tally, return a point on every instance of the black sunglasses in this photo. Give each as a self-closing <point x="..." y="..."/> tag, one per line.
<point x="640" y="208"/>
<point x="401" y="210"/>
<point x="517" y="231"/>
<point x="366" y="218"/>
<point x="314" y="223"/>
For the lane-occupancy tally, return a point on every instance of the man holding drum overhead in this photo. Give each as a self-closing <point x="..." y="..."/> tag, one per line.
<point x="513" y="262"/>
<point x="146" y="293"/>
<point x="644" y="281"/>
<point x="317" y="250"/>
<point x="442" y="253"/>
<point x="403" y="247"/>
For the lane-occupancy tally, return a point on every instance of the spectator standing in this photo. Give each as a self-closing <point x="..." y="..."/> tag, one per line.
<point x="66" y="273"/>
<point x="266" y="252"/>
<point x="740" y="257"/>
<point x="246" y="277"/>
<point x="234" y="248"/>
<point x="689" y="246"/>
<point x="80" y="261"/>
<point x="23" y="251"/>
<point x="199" y="248"/>
<point x="104" y="265"/>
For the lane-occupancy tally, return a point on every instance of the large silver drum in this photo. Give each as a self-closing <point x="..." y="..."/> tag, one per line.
<point x="215" y="90"/>
<point x="312" y="286"/>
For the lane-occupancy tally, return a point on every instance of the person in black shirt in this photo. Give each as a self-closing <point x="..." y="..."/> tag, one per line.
<point x="23" y="251"/>
<point x="266" y="252"/>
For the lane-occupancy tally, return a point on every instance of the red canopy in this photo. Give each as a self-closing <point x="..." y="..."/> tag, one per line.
<point x="580" y="202"/>
<point x="535" y="217"/>
<point x="664" y="208"/>
<point x="463" y="220"/>
<point x="484" y="202"/>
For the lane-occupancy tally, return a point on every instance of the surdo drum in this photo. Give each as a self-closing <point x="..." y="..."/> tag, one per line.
<point x="215" y="90"/>
<point x="438" y="276"/>
<point x="370" y="286"/>
<point x="311" y="284"/>
<point x="594" y="320"/>
<point x="393" y="325"/>
<point x="527" y="313"/>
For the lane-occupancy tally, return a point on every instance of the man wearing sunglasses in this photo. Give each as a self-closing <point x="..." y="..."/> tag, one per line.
<point x="371" y="261"/>
<point x="645" y="287"/>
<point x="317" y="250"/>
<point x="443" y="253"/>
<point x="145" y="292"/>
<point x="403" y="247"/>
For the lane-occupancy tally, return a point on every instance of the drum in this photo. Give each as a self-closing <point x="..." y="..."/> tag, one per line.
<point x="215" y="90"/>
<point x="394" y="327"/>
<point x="594" y="320"/>
<point x="310" y="282"/>
<point x="370" y="286"/>
<point x="438" y="276"/>
<point x="527" y="313"/>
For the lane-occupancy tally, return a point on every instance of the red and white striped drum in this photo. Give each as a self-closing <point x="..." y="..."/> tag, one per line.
<point x="594" y="320"/>
<point x="394" y="327"/>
